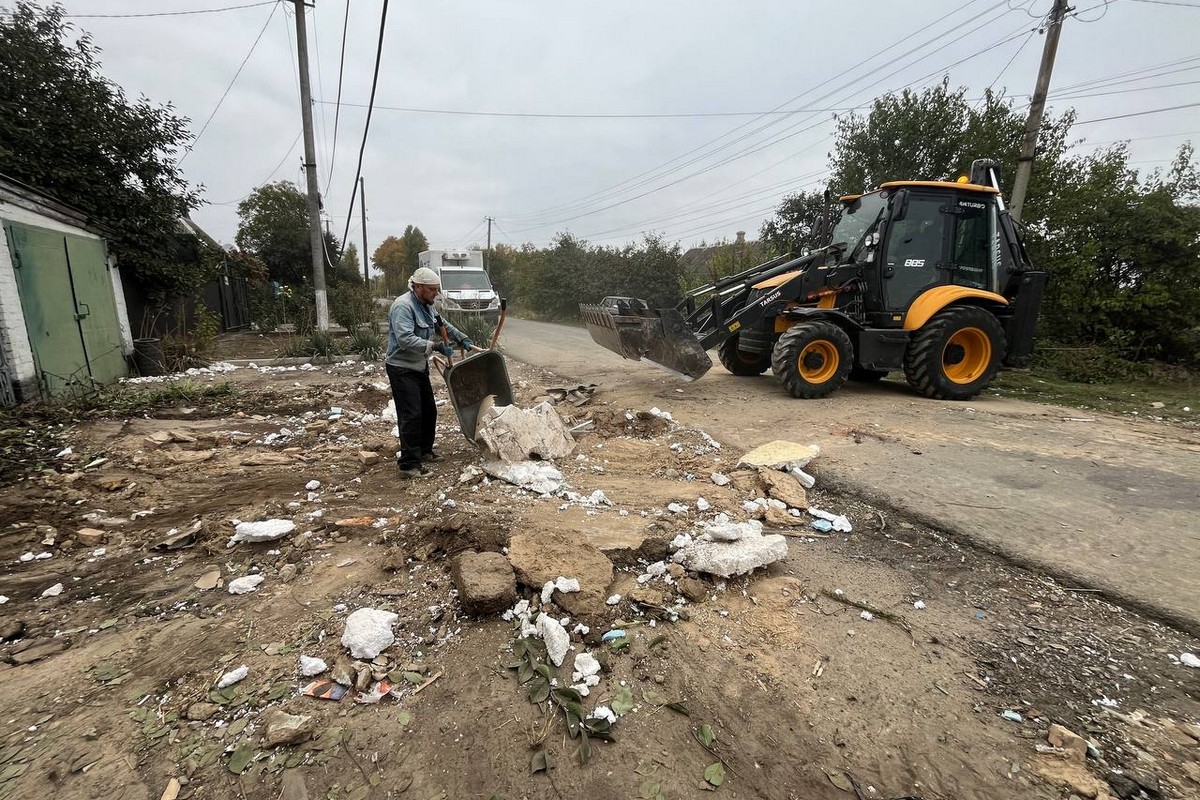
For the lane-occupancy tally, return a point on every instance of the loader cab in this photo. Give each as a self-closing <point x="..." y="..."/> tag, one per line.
<point x="915" y="235"/>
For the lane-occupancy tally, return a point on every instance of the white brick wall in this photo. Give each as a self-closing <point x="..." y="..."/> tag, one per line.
<point x="13" y="336"/>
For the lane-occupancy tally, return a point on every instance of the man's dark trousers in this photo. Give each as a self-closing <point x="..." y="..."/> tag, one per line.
<point x="416" y="414"/>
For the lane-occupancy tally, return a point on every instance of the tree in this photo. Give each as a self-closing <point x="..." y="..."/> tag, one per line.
<point x="398" y="258"/>
<point x="66" y="129"/>
<point x="349" y="270"/>
<point x="390" y="260"/>
<point x="1123" y="251"/>
<point x="795" y="226"/>
<point x="274" y="226"/>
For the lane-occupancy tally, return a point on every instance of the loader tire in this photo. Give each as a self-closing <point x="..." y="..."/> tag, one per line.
<point x="813" y="359"/>
<point x="865" y="375"/>
<point x="740" y="363"/>
<point x="956" y="354"/>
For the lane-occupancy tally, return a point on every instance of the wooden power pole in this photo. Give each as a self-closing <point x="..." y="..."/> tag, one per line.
<point x="362" y="207"/>
<point x="310" y="168"/>
<point x="1034" y="121"/>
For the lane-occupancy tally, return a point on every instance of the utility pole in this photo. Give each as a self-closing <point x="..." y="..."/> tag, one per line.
<point x="488" y="264"/>
<point x="362" y="203"/>
<point x="1034" y="122"/>
<point x="310" y="168"/>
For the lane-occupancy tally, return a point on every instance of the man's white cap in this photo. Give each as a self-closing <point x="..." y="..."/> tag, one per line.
<point x="426" y="277"/>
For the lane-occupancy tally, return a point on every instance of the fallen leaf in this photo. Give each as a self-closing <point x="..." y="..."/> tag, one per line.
<point x="622" y="702"/>
<point x="841" y="780"/>
<point x="240" y="759"/>
<point x="705" y="735"/>
<point x="538" y="762"/>
<point x="714" y="773"/>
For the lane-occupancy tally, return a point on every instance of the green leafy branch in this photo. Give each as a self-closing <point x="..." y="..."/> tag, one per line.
<point x="537" y="676"/>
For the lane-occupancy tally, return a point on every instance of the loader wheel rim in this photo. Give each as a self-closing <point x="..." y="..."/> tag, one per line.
<point x="967" y="355"/>
<point x="818" y="361"/>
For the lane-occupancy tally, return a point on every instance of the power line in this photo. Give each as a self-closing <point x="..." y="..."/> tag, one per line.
<point x="586" y="115"/>
<point x="1137" y="114"/>
<point x="787" y="133"/>
<point x="171" y="13"/>
<point x="337" y="109"/>
<point x="1168" y="3"/>
<point x="266" y="179"/>
<point x="367" y="126"/>
<point x="225" y="94"/>
<point x="649" y="175"/>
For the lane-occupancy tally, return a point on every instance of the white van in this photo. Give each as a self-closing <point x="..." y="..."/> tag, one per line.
<point x="466" y="288"/>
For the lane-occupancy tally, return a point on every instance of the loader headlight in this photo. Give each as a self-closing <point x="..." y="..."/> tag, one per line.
<point x="494" y="302"/>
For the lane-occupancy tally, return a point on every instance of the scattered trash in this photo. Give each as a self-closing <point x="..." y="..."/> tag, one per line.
<point x="662" y="414"/>
<point x="233" y="676"/>
<point x="840" y="522"/>
<point x="1011" y="716"/>
<point x="325" y="690"/>
<point x="577" y="395"/>
<point x="678" y="508"/>
<point x="266" y="530"/>
<point x="177" y="539"/>
<point x="53" y="591"/>
<point x="919" y="605"/>
<point x="867" y="615"/>
<point x="310" y="666"/>
<point x="613" y="600"/>
<point x="1189" y="660"/>
<point x="245" y="584"/>
<point x="312" y="485"/>
<point x="613" y="635"/>
<point x="369" y="632"/>
<point x="822" y="525"/>
<point x="719" y="479"/>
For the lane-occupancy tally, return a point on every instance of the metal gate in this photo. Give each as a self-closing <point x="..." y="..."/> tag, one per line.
<point x="70" y="313"/>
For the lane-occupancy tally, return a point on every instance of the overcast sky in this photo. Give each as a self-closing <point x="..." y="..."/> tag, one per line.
<point x="610" y="179"/>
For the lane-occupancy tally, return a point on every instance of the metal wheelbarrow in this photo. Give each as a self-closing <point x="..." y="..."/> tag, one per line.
<point x="478" y="381"/>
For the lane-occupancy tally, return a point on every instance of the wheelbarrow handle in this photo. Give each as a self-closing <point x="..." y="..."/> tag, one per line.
<point x="499" y="323"/>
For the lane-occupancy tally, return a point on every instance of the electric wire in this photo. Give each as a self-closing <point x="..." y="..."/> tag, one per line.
<point x="787" y="133"/>
<point x="1137" y="113"/>
<point x="171" y="13"/>
<point x="187" y="151"/>
<point x="367" y="125"/>
<point x="337" y="108"/>
<point x="614" y="189"/>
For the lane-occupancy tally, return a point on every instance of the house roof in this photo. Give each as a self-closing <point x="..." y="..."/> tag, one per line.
<point x="32" y="199"/>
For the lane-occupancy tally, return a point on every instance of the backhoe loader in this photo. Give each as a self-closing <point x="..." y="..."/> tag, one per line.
<point x="928" y="277"/>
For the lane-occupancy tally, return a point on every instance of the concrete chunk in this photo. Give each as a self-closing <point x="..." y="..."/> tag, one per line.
<point x="515" y="434"/>
<point x="726" y="559"/>
<point x="485" y="581"/>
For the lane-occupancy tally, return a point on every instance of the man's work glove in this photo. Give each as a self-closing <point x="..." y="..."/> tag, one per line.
<point x="444" y="349"/>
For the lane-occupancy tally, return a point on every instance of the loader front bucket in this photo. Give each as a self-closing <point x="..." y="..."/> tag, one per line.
<point x="661" y="337"/>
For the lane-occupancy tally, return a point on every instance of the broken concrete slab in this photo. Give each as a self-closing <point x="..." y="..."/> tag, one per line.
<point x="486" y="582"/>
<point x="726" y="559"/>
<point x="285" y="728"/>
<point x="1069" y="741"/>
<point x="368" y="458"/>
<point x="780" y="454"/>
<point x="90" y="537"/>
<point x="544" y="556"/>
<point x="557" y="640"/>
<point x="784" y="486"/>
<point x="536" y="476"/>
<point x="514" y="434"/>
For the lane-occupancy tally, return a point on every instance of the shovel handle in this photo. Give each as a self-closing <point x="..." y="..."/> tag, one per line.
<point x="446" y="339"/>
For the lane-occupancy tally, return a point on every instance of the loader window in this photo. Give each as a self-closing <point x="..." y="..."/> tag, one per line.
<point x="976" y="252"/>
<point x="857" y="217"/>
<point x="914" y="254"/>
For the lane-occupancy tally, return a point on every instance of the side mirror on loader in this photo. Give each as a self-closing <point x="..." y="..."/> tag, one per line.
<point x="900" y="203"/>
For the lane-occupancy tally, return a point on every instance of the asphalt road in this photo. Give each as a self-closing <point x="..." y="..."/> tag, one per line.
<point x="1099" y="501"/>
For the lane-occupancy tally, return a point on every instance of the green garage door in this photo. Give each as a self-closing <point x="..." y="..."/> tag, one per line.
<point x="70" y="313"/>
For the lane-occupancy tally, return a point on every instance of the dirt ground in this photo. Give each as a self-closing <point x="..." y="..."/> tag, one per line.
<point x="109" y="687"/>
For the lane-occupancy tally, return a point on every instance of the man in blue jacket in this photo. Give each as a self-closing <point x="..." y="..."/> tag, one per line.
<point x="414" y="339"/>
